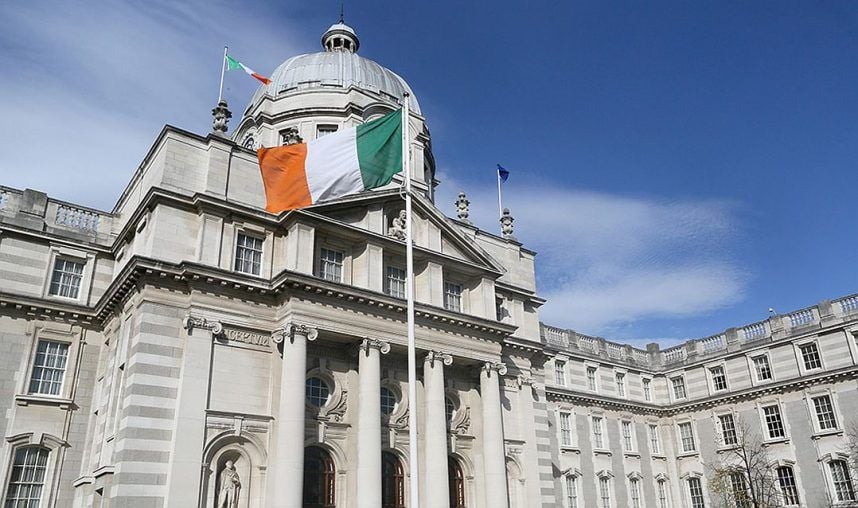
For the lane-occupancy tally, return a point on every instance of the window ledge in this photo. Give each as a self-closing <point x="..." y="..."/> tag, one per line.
<point x="827" y="432"/>
<point x="632" y="454"/>
<point x="602" y="451"/>
<point x="777" y="440"/>
<point x="44" y="400"/>
<point x="570" y="449"/>
<point x="658" y="456"/>
<point x="687" y="454"/>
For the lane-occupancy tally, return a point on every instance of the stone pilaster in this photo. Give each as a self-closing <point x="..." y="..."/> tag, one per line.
<point x="494" y="457"/>
<point x="369" y="423"/>
<point x="288" y="475"/>
<point x="531" y="452"/>
<point x="436" y="484"/>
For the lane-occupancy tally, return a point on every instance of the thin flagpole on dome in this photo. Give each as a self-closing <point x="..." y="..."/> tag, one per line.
<point x="414" y="502"/>
<point x="222" y="72"/>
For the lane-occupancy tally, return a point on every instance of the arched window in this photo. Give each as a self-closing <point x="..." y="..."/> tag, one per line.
<point x="392" y="482"/>
<point x="319" y="479"/>
<point x="457" y="483"/>
<point x="27" y="479"/>
<point x="388" y="401"/>
<point x="318" y="391"/>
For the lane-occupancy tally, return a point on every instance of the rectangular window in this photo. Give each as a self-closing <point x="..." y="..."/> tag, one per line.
<point x="774" y="422"/>
<point x="66" y="278"/>
<point x="324" y="130"/>
<point x="695" y="491"/>
<point x="824" y="412"/>
<point x="678" y="387"/>
<point x="598" y="438"/>
<point x="789" y="490"/>
<point x="571" y="492"/>
<point x="635" y="488"/>
<point x="560" y="372"/>
<point x="843" y="488"/>
<point x="686" y="436"/>
<point x="646" y="389"/>
<point x="728" y="430"/>
<point x="719" y="379"/>
<point x="500" y="312"/>
<point x="396" y="282"/>
<point x="566" y="429"/>
<point x="810" y="356"/>
<point x="591" y="378"/>
<point x="49" y="368"/>
<point x="628" y="442"/>
<point x="654" y="441"/>
<point x="740" y="490"/>
<point x="605" y="492"/>
<point x="762" y="368"/>
<point x="27" y="478"/>
<point x="621" y="384"/>
<point x="331" y="265"/>
<point x="453" y="297"/>
<point x="662" y="494"/>
<point x="248" y="254"/>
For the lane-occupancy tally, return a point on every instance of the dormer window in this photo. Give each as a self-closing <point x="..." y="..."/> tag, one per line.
<point x="453" y="296"/>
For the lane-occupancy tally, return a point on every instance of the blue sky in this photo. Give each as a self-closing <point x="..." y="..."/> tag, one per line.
<point x="679" y="166"/>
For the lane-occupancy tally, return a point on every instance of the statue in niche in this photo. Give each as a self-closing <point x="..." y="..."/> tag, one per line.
<point x="230" y="486"/>
<point x="397" y="227"/>
<point x="290" y="136"/>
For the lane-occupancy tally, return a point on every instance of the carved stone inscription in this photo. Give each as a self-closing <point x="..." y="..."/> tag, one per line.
<point x="246" y="337"/>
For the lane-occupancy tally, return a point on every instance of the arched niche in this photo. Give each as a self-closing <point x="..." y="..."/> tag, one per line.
<point x="515" y="484"/>
<point x="249" y="461"/>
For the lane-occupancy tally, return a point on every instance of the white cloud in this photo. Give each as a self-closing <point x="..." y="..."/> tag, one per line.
<point x="606" y="261"/>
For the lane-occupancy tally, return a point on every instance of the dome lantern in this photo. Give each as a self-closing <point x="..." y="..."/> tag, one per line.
<point x="340" y="37"/>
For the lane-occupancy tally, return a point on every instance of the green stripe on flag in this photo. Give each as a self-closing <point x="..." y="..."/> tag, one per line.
<point x="379" y="148"/>
<point x="232" y="64"/>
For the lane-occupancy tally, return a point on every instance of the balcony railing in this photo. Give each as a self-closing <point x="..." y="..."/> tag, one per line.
<point x="78" y="219"/>
<point x="801" y="318"/>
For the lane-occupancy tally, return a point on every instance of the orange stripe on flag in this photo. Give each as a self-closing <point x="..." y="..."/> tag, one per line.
<point x="284" y="177"/>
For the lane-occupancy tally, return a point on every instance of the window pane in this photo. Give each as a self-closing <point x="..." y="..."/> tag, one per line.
<point x="318" y="391"/>
<point x="598" y="440"/>
<point x="810" y="355"/>
<point x="566" y="429"/>
<point x="695" y="491"/>
<point x="761" y="366"/>
<point x="248" y="254"/>
<point x="571" y="492"/>
<point x="653" y="439"/>
<point x="388" y="400"/>
<point x="719" y="379"/>
<point x="331" y="265"/>
<point x="646" y="390"/>
<point x="728" y="429"/>
<point x="678" y="387"/>
<point x="843" y="489"/>
<point x="774" y="422"/>
<point x="49" y="368"/>
<point x="786" y="479"/>
<point x="621" y="385"/>
<point x="452" y="297"/>
<point x="65" y="281"/>
<point x="825" y="413"/>
<point x="27" y="476"/>
<point x="560" y="372"/>
<point x="635" y="493"/>
<point x="396" y="282"/>
<point x="686" y="434"/>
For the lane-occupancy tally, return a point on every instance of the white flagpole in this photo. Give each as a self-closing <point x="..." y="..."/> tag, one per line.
<point x="500" y="201"/>
<point x="414" y="502"/>
<point x="222" y="72"/>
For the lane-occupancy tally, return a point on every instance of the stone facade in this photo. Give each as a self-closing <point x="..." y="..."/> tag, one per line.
<point x="189" y="348"/>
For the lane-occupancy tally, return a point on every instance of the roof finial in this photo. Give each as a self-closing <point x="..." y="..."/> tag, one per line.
<point x="342" y="8"/>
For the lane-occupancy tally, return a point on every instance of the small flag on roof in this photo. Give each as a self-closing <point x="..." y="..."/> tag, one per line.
<point x="503" y="174"/>
<point x="233" y="64"/>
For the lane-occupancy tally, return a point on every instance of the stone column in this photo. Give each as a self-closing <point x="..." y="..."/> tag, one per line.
<point x="288" y="477"/>
<point x="494" y="457"/>
<point x="369" y="423"/>
<point x="527" y="419"/>
<point x="436" y="484"/>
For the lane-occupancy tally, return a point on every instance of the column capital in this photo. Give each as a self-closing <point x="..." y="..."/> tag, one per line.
<point x="366" y="344"/>
<point x="445" y="358"/>
<point x="190" y="322"/>
<point x="291" y="330"/>
<point x="500" y="367"/>
<point x="524" y="379"/>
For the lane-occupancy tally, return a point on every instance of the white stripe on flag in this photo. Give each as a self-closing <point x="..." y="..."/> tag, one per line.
<point x="332" y="165"/>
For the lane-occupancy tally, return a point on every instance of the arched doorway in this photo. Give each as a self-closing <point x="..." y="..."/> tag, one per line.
<point x="392" y="481"/>
<point x="457" y="483"/>
<point x="319" y="479"/>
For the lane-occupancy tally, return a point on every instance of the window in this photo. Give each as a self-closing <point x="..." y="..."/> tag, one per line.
<point x="331" y="265"/>
<point x="566" y="429"/>
<point x="789" y="490"/>
<point x="654" y="441"/>
<point x="843" y="488"/>
<point x="591" y="378"/>
<point x="605" y="492"/>
<point x="635" y="489"/>
<point x="695" y="491"/>
<point x="571" y="492"/>
<point x="396" y="282"/>
<point x="392" y="482"/>
<point x="324" y="130"/>
<point x="449" y="409"/>
<point x="810" y="356"/>
<point x="49" y="368"/>
<point x="248" y="254"/>
<point x="457" y="483"/>
<point x="728" y="430"/>
<point x="824" y="412"/>
<point x="388" y="400"/>
<point x="686" y="437"/>
<point x="598" y="438"/>
<point x="719" y="379"/>
<point x="661" y="487"/>
<point x="318" y="391"/>
<point x="27" y="478"/>
<point x="740" y="490"/>
<point x="621" y="384"/>
<point x="453" y="296"/>
<point x="678" y="387"/>
<point x="628" y="443"/>
<point x="762" y="368"/>
<point x="774" y="422"/>
<point x="646" y="389"/>
<point x="560" y="372"/>
<point x="66" y="278"/>
<point x="319" y="478"/>
<point x="500" y="312"/>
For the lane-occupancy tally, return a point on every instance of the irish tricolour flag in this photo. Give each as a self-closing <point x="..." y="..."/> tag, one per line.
<point x="233" y="64"/>
<point x="348" y="161"/>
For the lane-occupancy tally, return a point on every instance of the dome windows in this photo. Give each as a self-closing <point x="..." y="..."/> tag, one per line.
<point x="340" y="37"/>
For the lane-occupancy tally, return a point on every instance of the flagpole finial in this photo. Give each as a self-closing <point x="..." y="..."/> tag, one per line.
<point x="342" y="9"/>
<point x="220" y="117"/>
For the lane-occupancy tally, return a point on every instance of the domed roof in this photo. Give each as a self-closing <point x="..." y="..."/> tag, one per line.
<point x="339" y="66"/>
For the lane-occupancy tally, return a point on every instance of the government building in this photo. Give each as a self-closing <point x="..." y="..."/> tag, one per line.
<point x="189" y="349"/>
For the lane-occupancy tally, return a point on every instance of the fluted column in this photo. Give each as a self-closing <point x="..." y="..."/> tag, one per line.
<point x="369" y="423"/>
<point x="494" y="457"/>
<point x="437" y="488"/>
<point x="288" y="476"/>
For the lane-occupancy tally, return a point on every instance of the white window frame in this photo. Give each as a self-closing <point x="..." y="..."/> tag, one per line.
<point x="673" y="395"/>
<point x="719" y="429"/>
<point x="344" y="272"/>
<point x="65" y="372"/>
<point x="646" y="388"/>
<point x="827" y="459"/>
<point x="798" y="490"/>
<point x="595" y="386"/>
<point x="570" y="432"/>
<point x="607" y="477"/>
<point x="388" y="279"/>
<point x="605" y="445"/>
<point x="620" y="382"/>
<point x="810" y="396"/>
<point x="761" y="405"/>
<point x="46" y="333"/>
<point x="256" y="235"/>
<point x="560" y="378"/>
<point x="634" y="480"/>
<point x="327" y="128"/>
<point x="680" y="445"/>
<point x="755" y="379"/>
<point x="43" y="440"/>
<point x="654" y="430"/>
<point x="572" y="478"/>
<point x="448" y="284"/>
<point x="87" y="259"/>
<point x="799" y="356"/>
<point x="661" y="478"/>
<point x="687" y="480"/>
<point x="630" y="440"/>
<point x="713" y="389"/>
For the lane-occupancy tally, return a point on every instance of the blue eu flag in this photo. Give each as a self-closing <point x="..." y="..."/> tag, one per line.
<point x="502" y="173"/>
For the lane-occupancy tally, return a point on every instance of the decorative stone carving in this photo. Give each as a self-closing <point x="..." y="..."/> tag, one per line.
<point x="289" y="331"/>
<point x="462" y="204"/>
<point x="506" y="221"/>
<point x="524" y="379"/>
<point x="461" y="423"/>
<point x="397" y="226"/>
<point x="190" y="322"/>
<point x="290" y="136"/>
<point x="230" y="486"/>
<point x="445" y="358"/>
<point x="382" y="346"/>
<point x="500" y="367"/>
<point x="220" y="117"/>
<point x="336" y="413"/>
